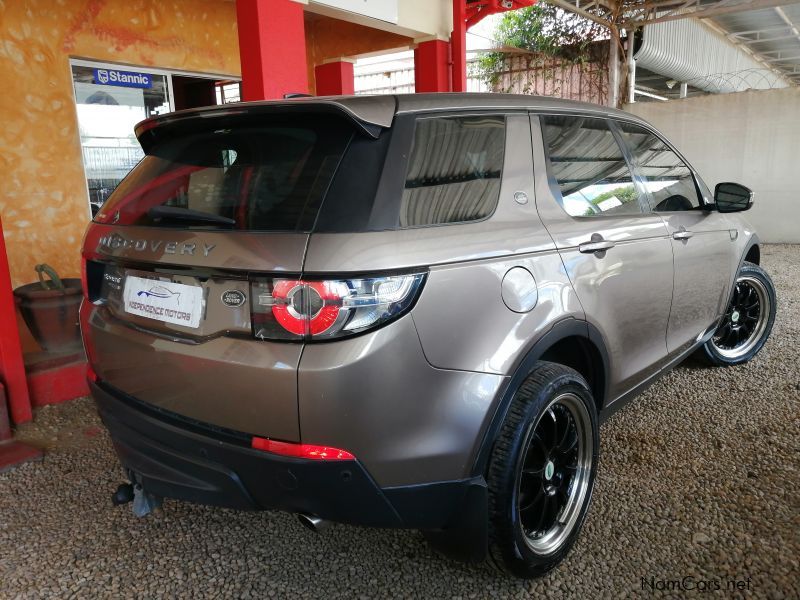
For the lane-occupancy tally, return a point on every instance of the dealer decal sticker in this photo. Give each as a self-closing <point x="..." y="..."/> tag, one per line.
<point x="164" y="301"/>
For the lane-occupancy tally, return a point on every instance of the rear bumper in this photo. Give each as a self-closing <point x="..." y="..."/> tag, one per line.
<point x="187" y="460"/>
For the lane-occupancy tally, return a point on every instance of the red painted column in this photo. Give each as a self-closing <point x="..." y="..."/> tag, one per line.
<point x="334" y="78"/>
<point x="12" y="369"/>
<point x="272" y="48"/>
<point x="431" y="69"/>
<point x="458" y="42"/>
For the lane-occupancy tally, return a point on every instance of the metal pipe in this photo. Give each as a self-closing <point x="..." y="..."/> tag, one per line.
<point x="613" y="71"/>
<point x="631" y="67"/>
<point x="649" y="95"/>
<point x="313" y="522"/>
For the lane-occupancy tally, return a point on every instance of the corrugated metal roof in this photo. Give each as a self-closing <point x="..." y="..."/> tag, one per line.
<point x="765" y="33"/>
<point x="689" y="51"/>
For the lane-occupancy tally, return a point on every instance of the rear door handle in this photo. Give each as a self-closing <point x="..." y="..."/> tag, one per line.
<point x="596" y="246"/>
<point x="682" y="234"/>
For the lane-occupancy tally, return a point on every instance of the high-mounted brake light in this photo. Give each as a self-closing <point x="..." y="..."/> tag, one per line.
<point x="303" y="309"/>
<point x="308" y="451"/>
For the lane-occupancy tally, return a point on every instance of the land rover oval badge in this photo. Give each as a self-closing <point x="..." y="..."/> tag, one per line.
<point x="233" y="298"/>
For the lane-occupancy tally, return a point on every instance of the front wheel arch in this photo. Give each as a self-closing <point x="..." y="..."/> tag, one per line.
<point x="753" y="255"/>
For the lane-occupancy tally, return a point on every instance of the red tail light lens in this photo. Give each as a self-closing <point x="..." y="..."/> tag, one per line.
<point x="308" y="451"/>
<point x="305" y="309"/>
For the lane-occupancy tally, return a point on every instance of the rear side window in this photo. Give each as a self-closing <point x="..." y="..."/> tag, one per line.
<point x="454" y="170"/>
<point x="589" y="173"/>
<point x="267" y="178"/>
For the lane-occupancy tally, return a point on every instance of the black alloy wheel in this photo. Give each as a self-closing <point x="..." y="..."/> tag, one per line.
<point x="747" y="321"/>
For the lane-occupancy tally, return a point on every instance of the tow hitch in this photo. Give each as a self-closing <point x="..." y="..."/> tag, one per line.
<point x="123" y="495"/>
<point x="143" y="502"/>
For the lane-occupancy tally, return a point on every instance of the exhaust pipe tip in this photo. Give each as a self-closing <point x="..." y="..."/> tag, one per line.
<point x="313" y="522"/>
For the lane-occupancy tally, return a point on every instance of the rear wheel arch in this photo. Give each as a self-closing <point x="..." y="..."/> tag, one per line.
<point x="582" y="355"/>
<point x="574" y="343"/>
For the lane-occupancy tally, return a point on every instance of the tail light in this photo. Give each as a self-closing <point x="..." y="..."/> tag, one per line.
<point x="295" y="309"/>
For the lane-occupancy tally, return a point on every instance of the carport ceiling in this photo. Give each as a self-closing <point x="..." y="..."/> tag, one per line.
<point x="768" y="29"/>
<point x="772" y="34"/>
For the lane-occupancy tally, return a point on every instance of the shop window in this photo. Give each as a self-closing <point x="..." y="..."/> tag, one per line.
<point x="109" y="103"/>
<point x="111" y="100"/>
<point x="228" y="91"/>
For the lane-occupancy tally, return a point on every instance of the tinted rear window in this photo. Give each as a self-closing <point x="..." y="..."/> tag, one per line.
<point x="454" y="170"/>
<point x="267" y="178"/>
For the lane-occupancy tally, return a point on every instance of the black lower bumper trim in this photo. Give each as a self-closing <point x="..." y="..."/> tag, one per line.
<point x="187" y="462"/>
<point x="175" y="462"/>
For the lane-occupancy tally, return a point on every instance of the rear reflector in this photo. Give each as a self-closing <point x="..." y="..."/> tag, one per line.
<point x="308" y="451"/>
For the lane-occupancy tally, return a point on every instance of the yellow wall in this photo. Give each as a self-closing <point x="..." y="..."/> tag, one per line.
<point x="328" y="38"/>
<point x="43" y="198"/>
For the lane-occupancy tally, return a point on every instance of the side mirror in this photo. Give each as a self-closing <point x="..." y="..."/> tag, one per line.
<point x="732" y="197"/>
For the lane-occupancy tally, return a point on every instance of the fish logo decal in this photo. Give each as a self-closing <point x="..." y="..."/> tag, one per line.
<point x="159" y="291"/>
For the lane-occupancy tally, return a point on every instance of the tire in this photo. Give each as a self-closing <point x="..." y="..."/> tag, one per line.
<point x="526" y="538"/>
<point x="748" y="320"/>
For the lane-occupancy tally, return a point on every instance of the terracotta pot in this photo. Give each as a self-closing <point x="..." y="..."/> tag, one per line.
<point x="52" y="315"/>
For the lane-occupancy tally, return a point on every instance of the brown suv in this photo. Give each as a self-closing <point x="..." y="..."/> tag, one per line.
<point x="405" y="311"/>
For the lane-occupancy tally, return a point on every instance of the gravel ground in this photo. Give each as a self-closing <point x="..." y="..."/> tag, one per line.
<point x="698" y="478"/>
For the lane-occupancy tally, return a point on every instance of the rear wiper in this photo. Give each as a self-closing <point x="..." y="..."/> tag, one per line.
<point x="187" y="214"/>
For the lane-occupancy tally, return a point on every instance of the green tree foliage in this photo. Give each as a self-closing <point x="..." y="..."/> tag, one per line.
<point x="542" y="29"/>
<point x="623" y="194"/>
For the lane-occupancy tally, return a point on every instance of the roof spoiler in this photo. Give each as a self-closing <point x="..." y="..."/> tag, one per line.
<point x="369" y="114"/>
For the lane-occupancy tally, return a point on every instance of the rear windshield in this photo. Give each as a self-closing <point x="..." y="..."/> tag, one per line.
<point x="267" y="178"/>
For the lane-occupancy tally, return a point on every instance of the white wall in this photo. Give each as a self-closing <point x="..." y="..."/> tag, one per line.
<point x="752" y="138"/>
<point x="415" y="18"/>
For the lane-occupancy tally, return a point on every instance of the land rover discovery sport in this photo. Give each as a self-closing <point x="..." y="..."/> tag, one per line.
<point x="405" y="311"/>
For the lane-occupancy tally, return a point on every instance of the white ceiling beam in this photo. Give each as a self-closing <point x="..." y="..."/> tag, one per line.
<point x="769" y="39"/>
<point x="778" y="52"/>
<point x="785" y="59"/>
<point x="758" y="31"/>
